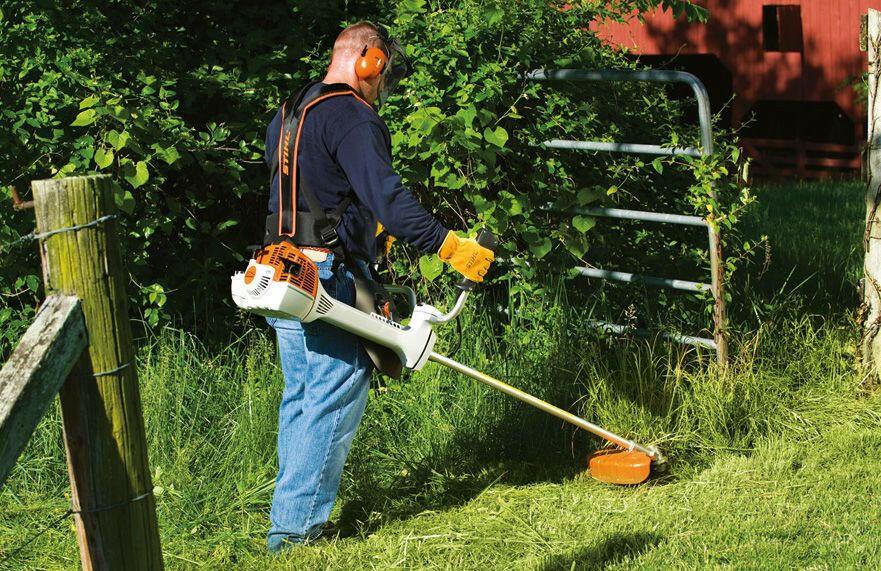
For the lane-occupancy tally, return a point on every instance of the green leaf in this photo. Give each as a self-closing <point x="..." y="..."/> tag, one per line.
<point x="227" y="224"/>
<point x="84" y="118"/>
<point x="540" y="248"/>
<point x="426" y="118"/>
<point x="515" y="206"/>
<point x="170" y="155"/>
<point x="583" y="223"/>
<point x="454" y="182"/>
<point x="497" y="136"/>
<point x="658" y="165"/>
<point x="431" y="266"/>
<point x="138" y="176"/>
<point x="65" y="170"/>
<point x="467" y="116"/>
<point x="411" y="6"/>
<point x="116" y="139"/>
<point x="577" y="246"/>
<point x="32" y="282"/>
<point x="122" y="141"/>
<point x="89" y="101"/>
<point x="125" y="201"/>
<point x="585" y="196"/>
<point x="103" y="158"/>
<point x="493" y="15"/>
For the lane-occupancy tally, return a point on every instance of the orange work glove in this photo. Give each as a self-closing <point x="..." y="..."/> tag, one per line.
<point x="389" y="239"/>
<point x="466" y="256"/>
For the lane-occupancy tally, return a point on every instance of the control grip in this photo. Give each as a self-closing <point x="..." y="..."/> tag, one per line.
<point x="489" y="241"/>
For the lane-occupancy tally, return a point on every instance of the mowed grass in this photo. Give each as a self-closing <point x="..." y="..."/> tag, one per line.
<point x="772" y="463"/>
<point x="814" y="243"/>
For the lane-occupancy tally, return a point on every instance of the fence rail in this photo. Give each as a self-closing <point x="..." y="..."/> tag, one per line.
<point x="35" y="371"/>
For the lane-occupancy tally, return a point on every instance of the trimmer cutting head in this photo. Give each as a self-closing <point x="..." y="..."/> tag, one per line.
<point x="616" y="466"/>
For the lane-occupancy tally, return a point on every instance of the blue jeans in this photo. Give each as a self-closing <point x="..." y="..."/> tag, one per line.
<point x="327" y="375"/>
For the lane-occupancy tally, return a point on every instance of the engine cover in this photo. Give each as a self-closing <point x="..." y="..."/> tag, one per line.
<point x="280" y="281"/>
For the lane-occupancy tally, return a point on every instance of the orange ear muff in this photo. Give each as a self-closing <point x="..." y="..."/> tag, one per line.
<point x="371" y="63"/>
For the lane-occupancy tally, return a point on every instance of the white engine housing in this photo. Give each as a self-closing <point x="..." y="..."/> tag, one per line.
<point x="264" y="295"/>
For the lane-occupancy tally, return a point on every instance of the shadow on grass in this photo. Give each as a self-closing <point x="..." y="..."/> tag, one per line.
<point x="459" y="472"/>
<point x="814" y="243"/>
<point x="517" y="446"/>
<point x="615" y="549"/>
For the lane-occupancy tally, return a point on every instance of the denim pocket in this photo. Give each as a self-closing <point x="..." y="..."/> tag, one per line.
<point x="326" y="275"/>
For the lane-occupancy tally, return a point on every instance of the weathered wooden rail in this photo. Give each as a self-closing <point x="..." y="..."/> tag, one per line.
<point x="35" y="371"/>
<point x="80" y="347"/>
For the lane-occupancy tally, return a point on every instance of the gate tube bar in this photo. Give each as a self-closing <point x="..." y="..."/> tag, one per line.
<point x="547" y="407"/>
<point x="645" y="216"/>
<point x="677" y="337"/>
<point x="631" y="148"/>
<point x="681" y="285"/>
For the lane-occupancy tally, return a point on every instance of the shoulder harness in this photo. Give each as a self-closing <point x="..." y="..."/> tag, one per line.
<point x="314" y="226"/>
<point x="317" y="227"/>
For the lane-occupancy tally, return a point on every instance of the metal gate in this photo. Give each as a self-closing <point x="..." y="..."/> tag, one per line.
<point x="716" y="286"/>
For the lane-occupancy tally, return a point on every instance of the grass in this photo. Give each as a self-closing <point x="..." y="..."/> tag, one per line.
<point x="773" y="463"/>
<point x="814" y="243"/>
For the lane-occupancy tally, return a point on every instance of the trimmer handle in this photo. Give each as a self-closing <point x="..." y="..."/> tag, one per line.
<point x="489" y="241"/>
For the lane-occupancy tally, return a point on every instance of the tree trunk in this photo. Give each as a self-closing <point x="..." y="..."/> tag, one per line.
<point x="871" y="308"/>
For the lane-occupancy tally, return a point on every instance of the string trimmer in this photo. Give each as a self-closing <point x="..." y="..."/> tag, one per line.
<point x="281" y="281"/>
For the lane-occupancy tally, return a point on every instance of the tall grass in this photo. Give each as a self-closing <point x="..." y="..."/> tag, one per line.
<point x="438" y="440"/>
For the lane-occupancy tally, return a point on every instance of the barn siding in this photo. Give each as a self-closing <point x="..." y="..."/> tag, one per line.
<point x="734" y="34"/>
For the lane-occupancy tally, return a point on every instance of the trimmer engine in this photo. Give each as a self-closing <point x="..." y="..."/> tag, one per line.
<point x="280" y="281"/>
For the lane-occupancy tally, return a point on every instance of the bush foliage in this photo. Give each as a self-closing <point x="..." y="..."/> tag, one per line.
<point x="172" y="100"/>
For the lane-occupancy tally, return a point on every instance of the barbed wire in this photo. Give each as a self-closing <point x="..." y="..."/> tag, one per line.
<point x="71" y="511"/>
<point x="114" y="371"/>
<point x="34" y="236"/>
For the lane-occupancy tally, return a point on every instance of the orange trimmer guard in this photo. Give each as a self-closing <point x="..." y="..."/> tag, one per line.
<point x="615" y="466"/>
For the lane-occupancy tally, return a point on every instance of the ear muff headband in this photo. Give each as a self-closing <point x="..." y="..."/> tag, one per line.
<point x="371" y="63"/>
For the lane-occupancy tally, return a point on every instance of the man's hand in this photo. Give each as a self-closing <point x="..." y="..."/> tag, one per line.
<point x="466" y="256"/>
<point x="386" y="241"/>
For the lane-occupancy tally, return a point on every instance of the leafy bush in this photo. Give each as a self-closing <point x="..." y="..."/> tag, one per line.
<point x="172" y="100"/>
<point x="468" y="124"/>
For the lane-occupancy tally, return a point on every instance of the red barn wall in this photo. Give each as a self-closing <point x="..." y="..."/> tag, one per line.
<point x="829" y="61"/>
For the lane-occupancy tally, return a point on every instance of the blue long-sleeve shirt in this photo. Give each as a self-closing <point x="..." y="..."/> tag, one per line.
<point x="346" y="147"/>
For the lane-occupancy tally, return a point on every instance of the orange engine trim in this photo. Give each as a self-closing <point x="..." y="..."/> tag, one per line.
<point x="291" y="265"/>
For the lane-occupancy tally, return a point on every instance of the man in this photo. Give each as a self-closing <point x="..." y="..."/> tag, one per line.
<point x="332" y="187"/>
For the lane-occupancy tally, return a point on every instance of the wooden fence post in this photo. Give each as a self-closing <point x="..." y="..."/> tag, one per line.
<point x="100" y="401"/>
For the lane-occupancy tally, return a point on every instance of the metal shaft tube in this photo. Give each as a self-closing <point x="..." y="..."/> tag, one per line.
<point x="542" y="405"/>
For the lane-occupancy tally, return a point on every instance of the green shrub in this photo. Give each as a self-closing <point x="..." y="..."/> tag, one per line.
<point x="172" y="100"/>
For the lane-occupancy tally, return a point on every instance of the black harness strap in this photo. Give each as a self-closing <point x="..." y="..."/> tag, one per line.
<point x="317" y="227"/>
<point x="314" y="227"/>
